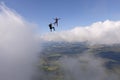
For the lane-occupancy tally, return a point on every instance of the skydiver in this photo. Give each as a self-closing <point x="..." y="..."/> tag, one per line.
<point x="51" y="27"/>
<point x="56" y="21"/>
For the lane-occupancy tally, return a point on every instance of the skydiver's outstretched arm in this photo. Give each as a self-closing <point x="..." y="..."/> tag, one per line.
<point x="56" y="18"/>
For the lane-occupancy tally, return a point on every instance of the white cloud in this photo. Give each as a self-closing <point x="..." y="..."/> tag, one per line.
<point x="86" y="67"/>
<point x="106" y="32"/>
<point x="18" y="46"/>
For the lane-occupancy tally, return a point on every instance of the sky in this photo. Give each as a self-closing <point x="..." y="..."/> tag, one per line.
<point x="72" y="12"/>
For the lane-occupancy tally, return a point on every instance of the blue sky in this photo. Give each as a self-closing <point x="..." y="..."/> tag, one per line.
<point x="72" y="12"/>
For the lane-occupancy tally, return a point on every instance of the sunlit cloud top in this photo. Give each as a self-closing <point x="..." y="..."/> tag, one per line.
<point x="106" y="32"/>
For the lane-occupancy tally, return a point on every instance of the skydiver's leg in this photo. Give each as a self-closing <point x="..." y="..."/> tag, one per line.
<point x="54" y="28"/>
<point x="57" y="23"/>
<point x="51" y="30"/>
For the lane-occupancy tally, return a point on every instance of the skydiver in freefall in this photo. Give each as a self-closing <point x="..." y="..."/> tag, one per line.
<point x="56" y="21"/>
<point x="51" y="27"/>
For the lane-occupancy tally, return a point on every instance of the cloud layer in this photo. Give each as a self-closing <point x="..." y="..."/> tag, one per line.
<point x="18" y="46"/>
<point x="86" y="67"/>
<point x="106" y="32"/>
